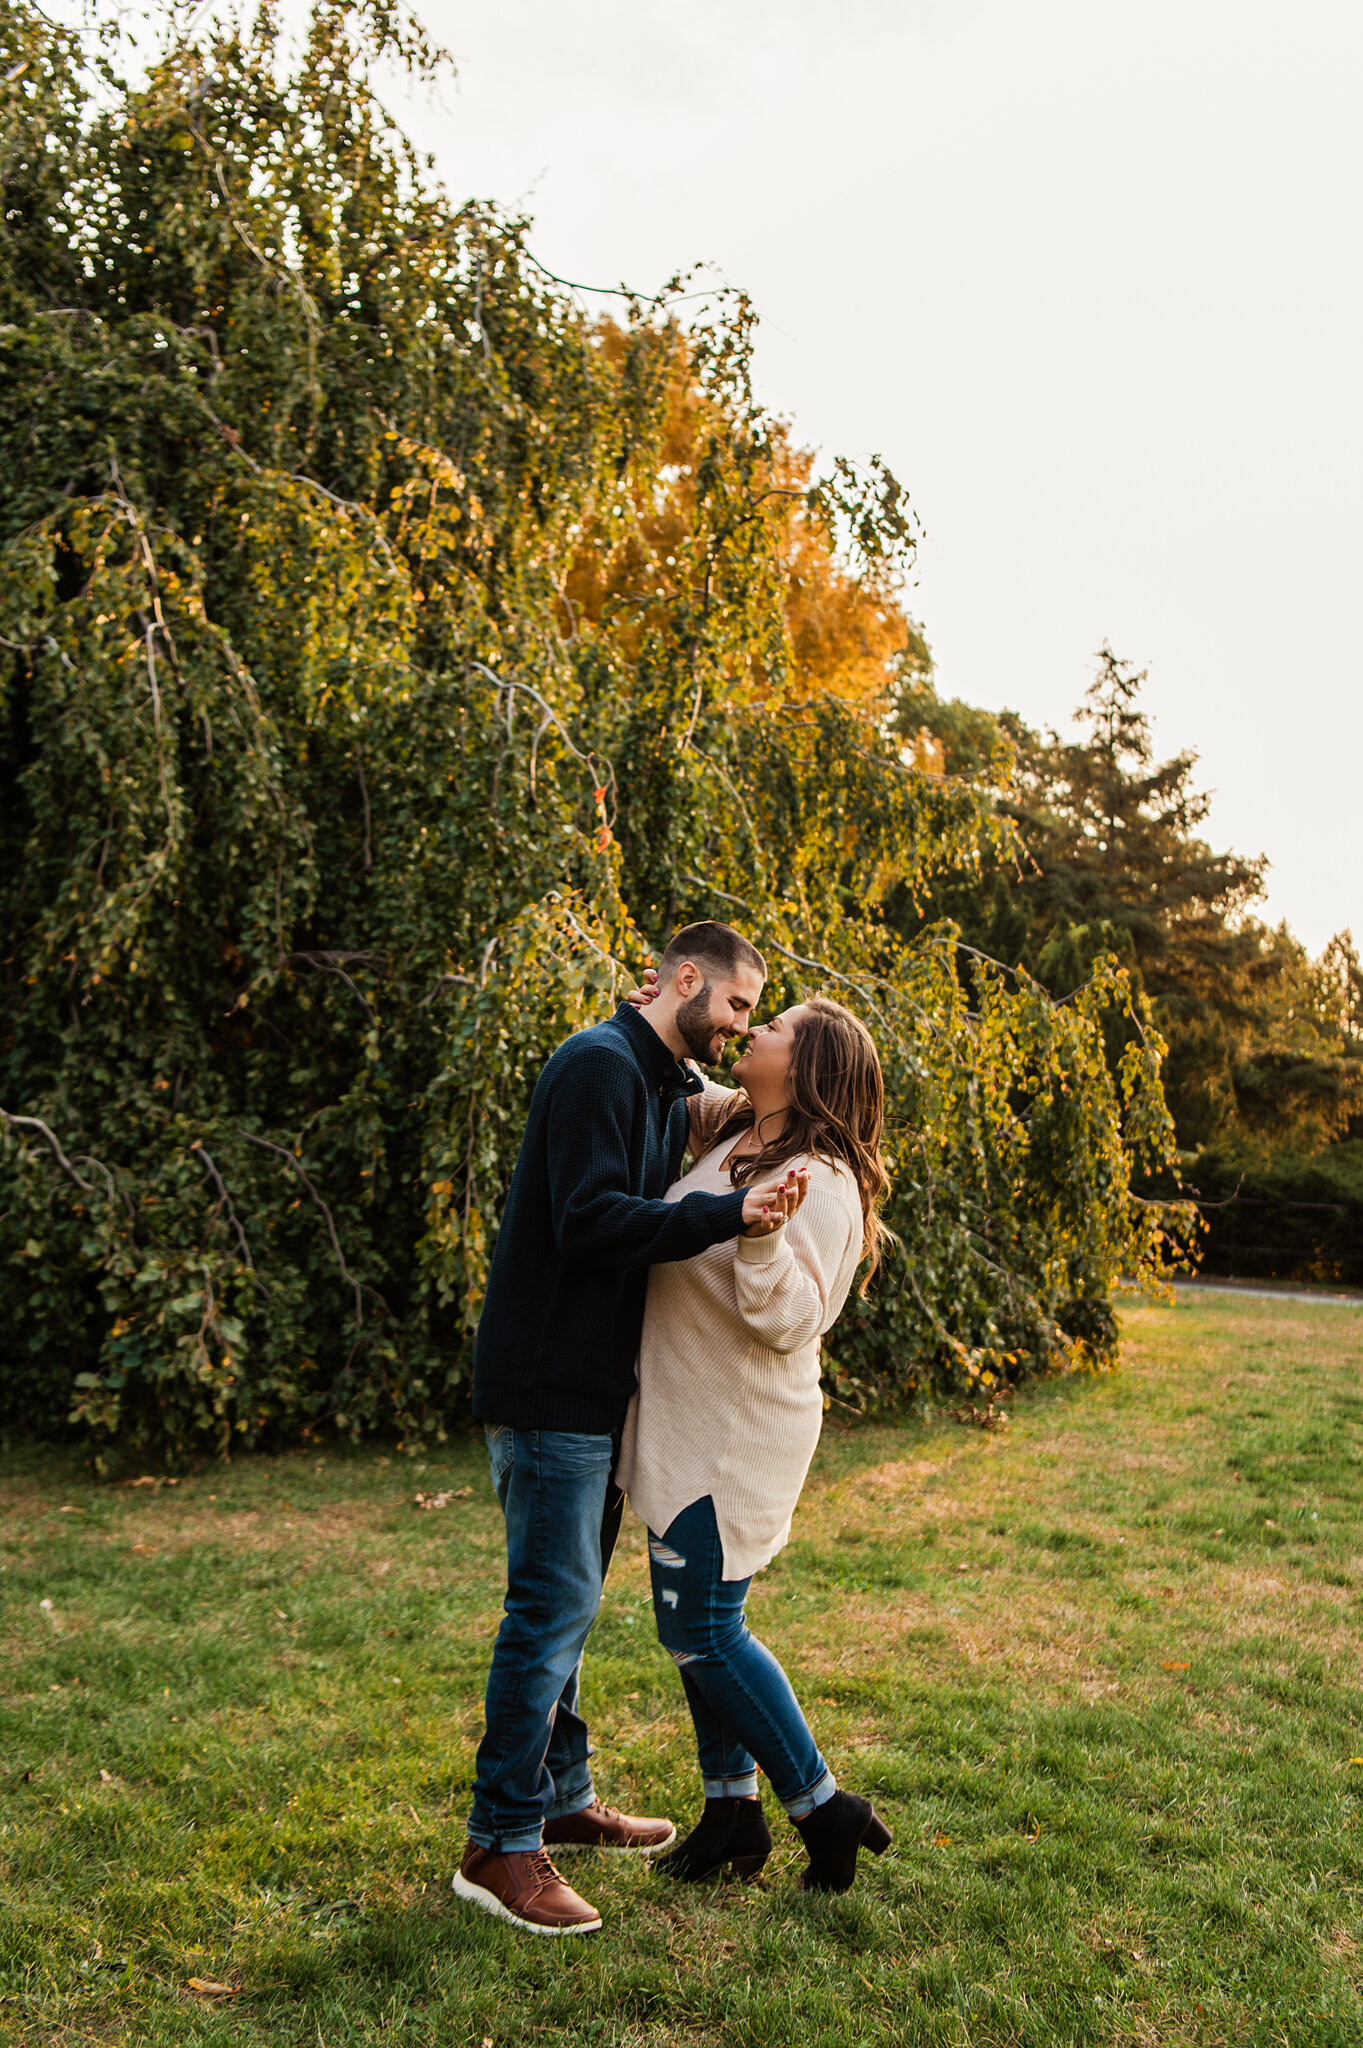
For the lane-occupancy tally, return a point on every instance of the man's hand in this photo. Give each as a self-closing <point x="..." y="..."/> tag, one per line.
<point x="648" y="993"/>
<point x="766" y="1208"/>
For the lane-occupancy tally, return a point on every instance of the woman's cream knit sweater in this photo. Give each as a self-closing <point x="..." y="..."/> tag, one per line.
<point x="729" y="1401"/>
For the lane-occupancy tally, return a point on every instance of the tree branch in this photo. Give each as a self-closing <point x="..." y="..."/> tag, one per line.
<point x="267" y="1145"/>
<point x="468" y="980"/>
<point x="500" y="683"/>
<point x="206" y="1159"/>
<point x="35" y="1123"/>
<point x="330" y="963"/>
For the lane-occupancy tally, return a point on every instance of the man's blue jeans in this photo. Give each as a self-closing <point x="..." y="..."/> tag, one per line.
<point x="741" y="1701"/>
<point x="562" y="1511"/>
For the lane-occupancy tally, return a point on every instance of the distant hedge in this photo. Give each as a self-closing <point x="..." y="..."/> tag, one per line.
<point x="1287" y="1219"/>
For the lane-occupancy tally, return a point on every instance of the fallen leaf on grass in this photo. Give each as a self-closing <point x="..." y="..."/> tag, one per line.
<point x="441" y="1500"/>
<point x="141" y="1549"/>
<point x="1178" y="1667"/>
<point x="206" y="1988"/>
<point x="106" y="1777"/>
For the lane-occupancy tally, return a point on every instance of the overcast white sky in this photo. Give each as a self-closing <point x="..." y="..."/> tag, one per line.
<point x="1086" y="275"/>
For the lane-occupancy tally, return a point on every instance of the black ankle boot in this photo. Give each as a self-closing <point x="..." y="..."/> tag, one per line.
<point x="833" y="1833"/>
<point x="731" y="1831"/>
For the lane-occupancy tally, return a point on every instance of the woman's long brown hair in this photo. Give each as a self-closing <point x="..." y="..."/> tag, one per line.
<point x="837" y="1111"/>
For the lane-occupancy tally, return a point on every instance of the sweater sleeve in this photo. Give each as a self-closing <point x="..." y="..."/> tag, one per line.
<point x="595" y="1218"/>
<point x="706" y="1113"/>
<point x="788" y="1284"/>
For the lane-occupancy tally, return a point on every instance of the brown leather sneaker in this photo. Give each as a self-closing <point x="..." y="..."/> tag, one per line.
<point x="523" y="1887"/>
<point x="601" y="1827"/>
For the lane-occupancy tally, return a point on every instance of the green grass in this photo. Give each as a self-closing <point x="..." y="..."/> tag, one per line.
<point x="1100" y="1670"/>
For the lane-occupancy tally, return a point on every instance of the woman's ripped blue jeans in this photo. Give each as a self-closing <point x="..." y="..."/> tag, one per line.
<point x="741" y="1701"/>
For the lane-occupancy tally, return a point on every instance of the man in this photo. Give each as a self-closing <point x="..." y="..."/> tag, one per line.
<point x="553" y="1376"/>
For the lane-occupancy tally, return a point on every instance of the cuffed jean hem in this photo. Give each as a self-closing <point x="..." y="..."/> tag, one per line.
<point x="486" y="1836"/>
<point x="533" y="1838"/>
<point x="518" y="1843"/>
<point x="731" y="1788"/>
<point x="818" y="1795"/>
<point x="572" y="1802"/>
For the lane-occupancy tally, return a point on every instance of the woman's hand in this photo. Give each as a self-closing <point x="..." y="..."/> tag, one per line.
<point x="648" y="993"/>
<point x="765" y="1209"/>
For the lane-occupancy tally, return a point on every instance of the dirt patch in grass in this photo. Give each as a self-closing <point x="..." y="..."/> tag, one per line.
<point x="899" y="1474"/>
<point x="1148" y="1461"/>
<point x="337" y="1532"/>
<point x="1032" y="1640"/>
<point x="1247" y="1597"/>
<point x="1075" y="1450"/>
<point x="247" y="1529"/>
<point x="1030" y="1647"/>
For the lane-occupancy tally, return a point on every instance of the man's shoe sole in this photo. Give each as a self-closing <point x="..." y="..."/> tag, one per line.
<point x="612" y="1848"/>
<point x="477" y="1895"/>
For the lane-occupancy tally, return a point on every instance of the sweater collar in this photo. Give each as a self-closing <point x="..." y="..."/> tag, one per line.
<point x="671" y="1075"/>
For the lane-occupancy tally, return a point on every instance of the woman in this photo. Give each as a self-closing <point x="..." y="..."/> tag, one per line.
<point x="720" y="1435"/>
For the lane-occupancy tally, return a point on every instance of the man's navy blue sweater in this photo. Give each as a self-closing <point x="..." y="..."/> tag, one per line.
<point x="583" y="1223"/>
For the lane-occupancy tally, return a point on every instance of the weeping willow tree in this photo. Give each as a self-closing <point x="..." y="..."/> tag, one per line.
<point x="393" y="654"/>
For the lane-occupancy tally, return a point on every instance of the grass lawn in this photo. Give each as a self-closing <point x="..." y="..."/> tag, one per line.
<point x="1100" y="1671"/>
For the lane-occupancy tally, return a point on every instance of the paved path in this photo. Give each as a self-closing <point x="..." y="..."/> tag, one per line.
<point x="1267" y="1293"/>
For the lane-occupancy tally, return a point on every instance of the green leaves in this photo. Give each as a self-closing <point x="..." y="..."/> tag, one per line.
<point x="391" y="660"/>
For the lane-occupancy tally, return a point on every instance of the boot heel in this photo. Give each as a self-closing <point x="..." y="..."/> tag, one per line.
<point x="877" y="1837"/>
<point x="747" y="1866"/>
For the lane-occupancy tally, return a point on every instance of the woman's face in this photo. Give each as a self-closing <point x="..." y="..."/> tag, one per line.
<point x="763" y="1064"/>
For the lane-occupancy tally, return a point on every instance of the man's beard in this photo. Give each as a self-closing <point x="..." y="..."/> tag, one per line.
<point x="697" y="1027"/>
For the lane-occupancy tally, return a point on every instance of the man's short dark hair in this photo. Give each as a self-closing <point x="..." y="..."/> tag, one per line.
<point x="715" y="948"/>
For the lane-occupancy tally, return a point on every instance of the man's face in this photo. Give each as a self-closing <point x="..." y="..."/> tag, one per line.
<point x="710" y="1013"/>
